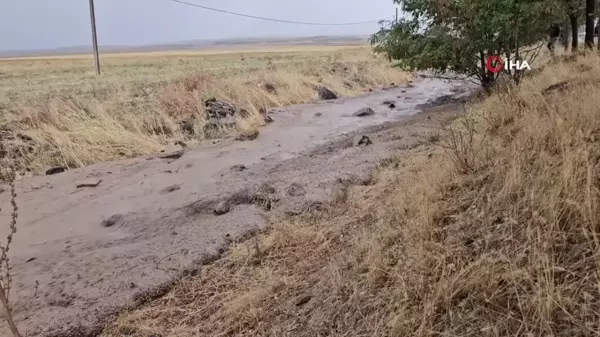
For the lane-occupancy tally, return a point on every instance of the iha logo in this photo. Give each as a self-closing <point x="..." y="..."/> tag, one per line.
<point x="496" y="64"/>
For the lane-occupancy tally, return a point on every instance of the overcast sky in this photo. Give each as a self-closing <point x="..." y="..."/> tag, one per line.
<point x="42" y="24"/>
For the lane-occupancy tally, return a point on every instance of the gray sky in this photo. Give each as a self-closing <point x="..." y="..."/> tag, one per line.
<point x="42" y="24"/>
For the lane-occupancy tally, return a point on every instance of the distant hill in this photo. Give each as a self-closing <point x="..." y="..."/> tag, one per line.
<point x="194" y="44"/>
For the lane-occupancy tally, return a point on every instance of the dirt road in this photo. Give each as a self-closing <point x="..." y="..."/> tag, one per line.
<point x="82" y="253"/>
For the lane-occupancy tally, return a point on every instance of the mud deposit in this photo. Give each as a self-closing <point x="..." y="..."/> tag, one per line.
<point x="133" y="225"/>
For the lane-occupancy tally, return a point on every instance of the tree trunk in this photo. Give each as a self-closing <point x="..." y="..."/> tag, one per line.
<point x="589" y="23"/>
<point x="486" y="80"/>
<point x="574" y="32"/>
<point x="564" y="35"/>
<point x="597" y="32"/>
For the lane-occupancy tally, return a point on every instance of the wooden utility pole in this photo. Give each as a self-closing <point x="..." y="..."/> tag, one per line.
<point x="94" y="37"/>
<point x="396" y="15"/>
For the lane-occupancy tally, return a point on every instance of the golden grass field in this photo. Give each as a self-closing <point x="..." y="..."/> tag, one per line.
<point x="135" y="108"/>
<point x="494" y="234"/>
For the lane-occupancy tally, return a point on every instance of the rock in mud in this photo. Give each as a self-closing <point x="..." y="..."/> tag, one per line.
<point x="114" y="219"/>
<point x="55" y="170"/>
<point x="392" y="106"/>
<point x="180" y="143"/>
<point x="364" y="140"/>
<point x="364" y="112"/>
<point x="172" y="155"/>
<point x="267" y="119"/>
<point x="388" y="102"/>
<point x="325" y="94"/>
<point x="238" y="167"/>
<point x="170" y="189"/>
<point x="221" y="208"/>
<point x="250" y="135"/>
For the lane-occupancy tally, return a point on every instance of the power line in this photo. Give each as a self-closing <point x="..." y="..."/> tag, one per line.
<point x="274" y="20"/>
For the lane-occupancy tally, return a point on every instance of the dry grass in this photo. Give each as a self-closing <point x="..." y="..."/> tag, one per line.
<point x="138" y="104"/>
<point x="492" y="235"/>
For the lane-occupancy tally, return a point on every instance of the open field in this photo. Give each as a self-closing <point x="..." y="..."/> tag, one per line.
<point x="202" y="46"/>
<point x="143" y="102"/>
<point x="491" y="231"/>
<point x="217" y="50"/>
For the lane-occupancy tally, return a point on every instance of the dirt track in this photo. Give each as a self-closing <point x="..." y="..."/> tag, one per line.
<point x="163" y="211"/>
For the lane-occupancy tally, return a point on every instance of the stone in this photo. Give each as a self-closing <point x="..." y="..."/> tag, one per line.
<point x="112" y="220"/>
<point x="250" y="135"/>
<point x="55" y="170"/>
<point x="238" y="168"/>
<point x="172" y="155"/>
<point x="268" y="119"/>
<point x="364" y="112"/>
<point x="170" y="189"/>
<point x="326" y="94"/>
<point x="221" y="208"/>
<point x="364" y="140"/>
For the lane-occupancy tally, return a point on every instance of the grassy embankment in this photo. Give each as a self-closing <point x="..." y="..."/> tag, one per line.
<point x="494" y="234"/>
<point x="138" y="104"/>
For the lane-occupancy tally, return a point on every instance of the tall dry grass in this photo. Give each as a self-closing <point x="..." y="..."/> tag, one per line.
<point x="494" y="233"/>
<point x="137" y="106"/>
